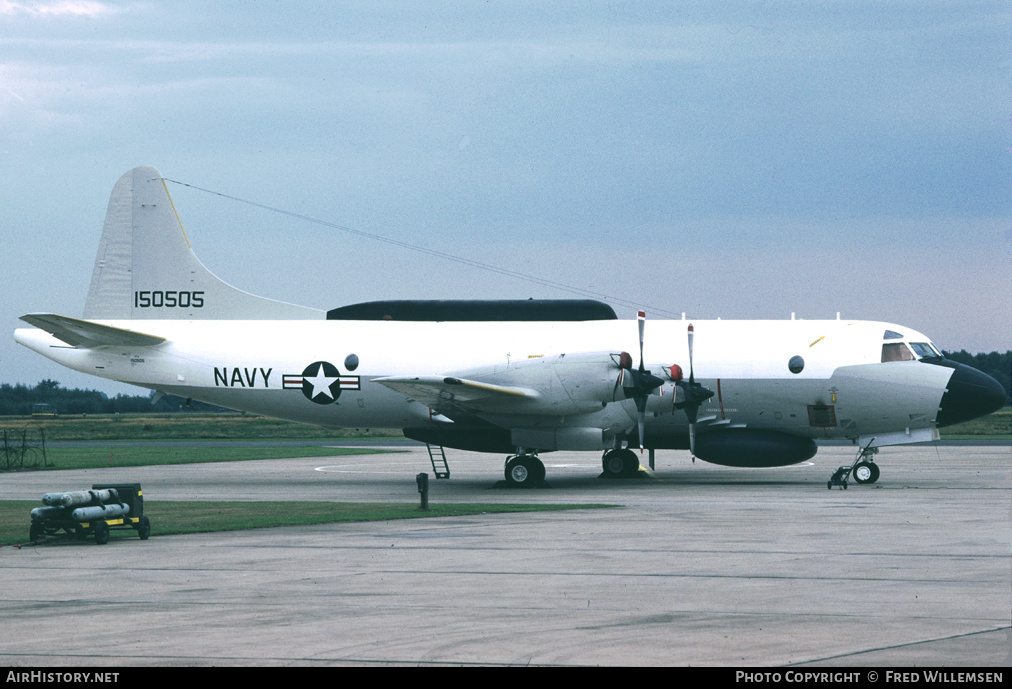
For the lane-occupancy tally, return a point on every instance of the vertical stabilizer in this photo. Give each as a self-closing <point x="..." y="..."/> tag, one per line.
<point x="146" y="269"/>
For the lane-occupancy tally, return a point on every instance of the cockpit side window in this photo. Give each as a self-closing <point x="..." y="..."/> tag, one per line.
<point x="896" y="352"/>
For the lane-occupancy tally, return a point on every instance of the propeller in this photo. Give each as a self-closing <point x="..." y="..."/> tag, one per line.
<point x="637" y="383"/>
<point x="695" y="395"/>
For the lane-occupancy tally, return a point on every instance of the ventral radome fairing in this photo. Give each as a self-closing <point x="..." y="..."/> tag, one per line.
<point x="511" y="377"/>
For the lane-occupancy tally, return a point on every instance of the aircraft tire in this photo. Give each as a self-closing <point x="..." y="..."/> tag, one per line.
<point x="632" y="464"/>
<point x="524" y="471"/>
<point x="620" y="464"/>
<point x="612" y="464"/>
<point x="865" y="472"/>
<point x="541" y="473"/>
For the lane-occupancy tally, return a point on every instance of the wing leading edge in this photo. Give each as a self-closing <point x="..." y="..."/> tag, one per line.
<point x="88" y="334"/>
<point x="441" y="392"/>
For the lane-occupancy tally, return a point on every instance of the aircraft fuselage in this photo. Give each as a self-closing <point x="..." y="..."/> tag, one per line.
<point x="842" y="390"/>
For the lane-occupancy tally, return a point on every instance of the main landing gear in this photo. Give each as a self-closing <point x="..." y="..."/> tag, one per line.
<point x="524" y="470"/>
<point x="620" y="464"/>
<point x="863" y="471"/>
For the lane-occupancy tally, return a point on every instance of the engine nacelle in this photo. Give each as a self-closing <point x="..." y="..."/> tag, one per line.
<point x="745" y="447"/>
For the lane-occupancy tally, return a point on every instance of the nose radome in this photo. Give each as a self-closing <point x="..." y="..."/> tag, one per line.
<point x="969" y="394"/>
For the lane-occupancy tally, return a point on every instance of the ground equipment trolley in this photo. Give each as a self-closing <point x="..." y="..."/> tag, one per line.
<point x="94" y="512"/>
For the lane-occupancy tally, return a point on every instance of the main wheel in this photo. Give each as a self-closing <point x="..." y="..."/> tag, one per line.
<point x="865" y="472"/>
<point x="612" y="464"/>
<point x="539" y="470"/>
<point x="524" y="470"/>
<point x="620" y="464"/>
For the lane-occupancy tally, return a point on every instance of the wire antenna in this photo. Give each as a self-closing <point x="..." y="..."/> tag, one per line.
<point x="430" y="252"/>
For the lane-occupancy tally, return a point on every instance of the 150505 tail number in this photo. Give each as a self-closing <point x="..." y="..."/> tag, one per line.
<point x="159" y="299"/>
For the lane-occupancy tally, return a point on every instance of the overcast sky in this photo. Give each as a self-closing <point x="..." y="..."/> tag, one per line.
<point x="732" y="160"/>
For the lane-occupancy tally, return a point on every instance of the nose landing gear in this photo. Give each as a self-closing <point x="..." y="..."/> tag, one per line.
<point x="863" y="470"/>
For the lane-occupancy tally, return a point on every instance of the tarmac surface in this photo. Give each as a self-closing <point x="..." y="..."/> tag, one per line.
<point x="695" y="565"/>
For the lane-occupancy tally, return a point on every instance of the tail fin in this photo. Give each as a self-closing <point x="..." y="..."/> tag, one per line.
<point x="145" y="267"/>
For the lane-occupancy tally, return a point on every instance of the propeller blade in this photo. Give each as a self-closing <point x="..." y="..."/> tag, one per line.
<point x="695" y="395"/>
<point x="637" y="384"/>
<point x="692" y="333"/>
<point x="641" y="417"/>
<point x="641" y="317"/>
<point x="621" y="361"/>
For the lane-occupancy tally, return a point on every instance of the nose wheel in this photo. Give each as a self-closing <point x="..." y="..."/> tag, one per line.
<point x="865" y="472"/>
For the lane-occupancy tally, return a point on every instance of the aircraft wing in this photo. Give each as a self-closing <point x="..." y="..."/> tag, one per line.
<point x="448" y="392"/>
<point x="79" y="333"/>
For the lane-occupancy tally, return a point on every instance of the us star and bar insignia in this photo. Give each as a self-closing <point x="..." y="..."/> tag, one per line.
<point x="320" y="382"/>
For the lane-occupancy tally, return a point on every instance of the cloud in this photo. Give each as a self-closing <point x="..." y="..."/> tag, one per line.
<point x="73" y="8"/>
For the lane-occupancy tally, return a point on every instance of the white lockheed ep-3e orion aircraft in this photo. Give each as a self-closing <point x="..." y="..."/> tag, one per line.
<point x="516" y="377"/>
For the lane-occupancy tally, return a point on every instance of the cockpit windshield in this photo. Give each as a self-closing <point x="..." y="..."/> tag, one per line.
<point x="896" y="351"/>
<point x="901" y="351"/>
<point x="925" y="350"/>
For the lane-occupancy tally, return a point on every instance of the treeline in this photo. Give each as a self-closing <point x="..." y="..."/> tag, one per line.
<point x="21" y="399"/>
<point x="998" y="365"/>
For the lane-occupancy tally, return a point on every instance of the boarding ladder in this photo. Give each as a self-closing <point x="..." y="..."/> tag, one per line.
<point x="438" y="458"/>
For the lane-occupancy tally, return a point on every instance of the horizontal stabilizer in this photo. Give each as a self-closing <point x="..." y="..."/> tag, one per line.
<point x="451" y="392"/>
<point x="78" y="333"/>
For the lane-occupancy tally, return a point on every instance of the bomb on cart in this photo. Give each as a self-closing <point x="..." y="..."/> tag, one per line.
<point x="94" y="512"/>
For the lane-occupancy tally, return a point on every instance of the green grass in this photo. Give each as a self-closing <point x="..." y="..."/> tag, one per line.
<point x="132" y="456"/>
<point x="170" y="517"/>
<point x="997" y="425"/>
<point x="236" y="426"/>
<point x="183" y="426"/>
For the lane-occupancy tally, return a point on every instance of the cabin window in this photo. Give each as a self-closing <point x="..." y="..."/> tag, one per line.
<point x="896" y="352"/>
